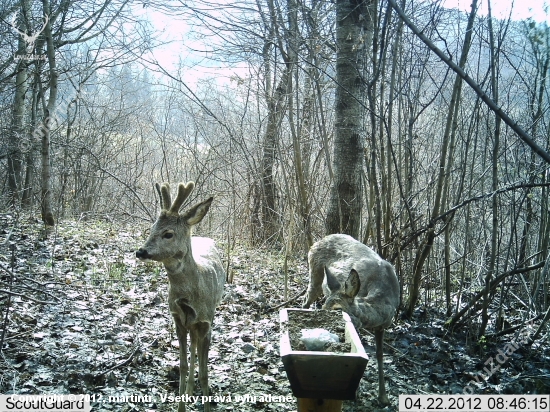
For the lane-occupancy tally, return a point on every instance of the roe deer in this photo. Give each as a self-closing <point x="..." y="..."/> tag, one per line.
<point x="360" y="283"/>
<point x="196" y="279"/>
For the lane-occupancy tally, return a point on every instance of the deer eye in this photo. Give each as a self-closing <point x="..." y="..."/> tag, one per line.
<point x="168" y="235"/>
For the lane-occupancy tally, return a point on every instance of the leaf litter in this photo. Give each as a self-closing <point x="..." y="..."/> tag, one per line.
<point x="105" y="330"/>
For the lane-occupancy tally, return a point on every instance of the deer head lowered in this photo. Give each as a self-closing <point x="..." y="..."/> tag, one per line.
<point x="196" y="280"/>
<point x="358" y="282"/>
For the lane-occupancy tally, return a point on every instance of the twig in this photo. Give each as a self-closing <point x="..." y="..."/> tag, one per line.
<point x="513" y="328"/>
<point x="121" y="364"/>
<point x="494" y="283"/>
<point x="26" y="288"/>
<point x="16" y="335"/>
<point x="490" y="103"/>
<point x="269" y="310"/>
<point x="9" y="235"/>
<point x="44" y="302"/>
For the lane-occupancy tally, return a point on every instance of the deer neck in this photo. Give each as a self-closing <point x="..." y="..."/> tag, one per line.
<point x="355" y="313"/>
<point x="181" y="268"/>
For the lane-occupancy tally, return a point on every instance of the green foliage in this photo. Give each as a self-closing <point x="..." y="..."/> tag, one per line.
<point x="482" y="343"/>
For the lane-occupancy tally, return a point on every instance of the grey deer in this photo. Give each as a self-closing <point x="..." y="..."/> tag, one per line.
<point x="196" y="280"/>
<point x="359" y="282"/>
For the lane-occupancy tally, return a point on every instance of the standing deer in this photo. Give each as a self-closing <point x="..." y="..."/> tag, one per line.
<point x="360" y="283"/>
<point x="196" y="279"/>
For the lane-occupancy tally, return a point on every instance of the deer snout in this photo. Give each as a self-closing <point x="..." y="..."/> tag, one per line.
<point x="332" y="305"/>
<point x="142" y="254"/>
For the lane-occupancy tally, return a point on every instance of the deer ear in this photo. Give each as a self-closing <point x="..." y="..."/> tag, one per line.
<point x="332" y="283"/>
<point x="197" y="212"/>
<point x="353" y="284"/>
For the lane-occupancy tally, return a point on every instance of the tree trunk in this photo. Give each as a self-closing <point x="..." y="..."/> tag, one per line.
<point x="494" y="205"/>
<point x="301" y="172"/>
<point x="49" y="120"/>
<point x="388" y="200"/>
<point x="270" y="214"/>
<point x="353" y="27"/>
<point x="16" y="132"/>
<point x="27" y="198"/>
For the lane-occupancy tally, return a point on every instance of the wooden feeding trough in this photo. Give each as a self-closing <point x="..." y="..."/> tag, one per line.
<point x="321" y="380"/>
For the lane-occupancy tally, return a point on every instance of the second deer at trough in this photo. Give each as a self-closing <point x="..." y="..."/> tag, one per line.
<point x="359" y="282"/>
<point x="196" y="280"/>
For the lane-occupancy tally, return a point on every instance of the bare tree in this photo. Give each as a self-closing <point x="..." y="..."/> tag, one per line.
<point x="16" y="132"/>
<point x="354" y="28"/>
<point x="443" y="170"/>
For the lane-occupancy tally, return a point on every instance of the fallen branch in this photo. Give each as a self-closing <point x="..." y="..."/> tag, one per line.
<point x="494" y="283"/>
<point x="269" y="310"/>
<point x="513" y="328"/>
<point x="121" y="364"/>
<point x="43" y="302"/>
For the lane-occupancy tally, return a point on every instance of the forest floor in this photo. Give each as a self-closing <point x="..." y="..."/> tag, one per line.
<point x="86" y="318"/>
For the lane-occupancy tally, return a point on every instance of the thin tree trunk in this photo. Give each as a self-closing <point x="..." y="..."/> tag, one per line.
<point x="16" y="132"/>
<point x="396" y="51"/>
<point x="49" y="120"/>
<point x="494" y="204"/>
<point x="426" y="247"/>
<point x="373" y="95"/>
<point x="26" y="201"/>
<point x="303" y="201"/>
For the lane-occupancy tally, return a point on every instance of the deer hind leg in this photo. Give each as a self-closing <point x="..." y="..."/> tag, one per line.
<point x="379" y="338"/>
<point x="182" y="339"/>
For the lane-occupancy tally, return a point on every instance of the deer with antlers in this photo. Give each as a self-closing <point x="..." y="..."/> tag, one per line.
<point x="196" y="280"/>
<point x="30" y="40"/>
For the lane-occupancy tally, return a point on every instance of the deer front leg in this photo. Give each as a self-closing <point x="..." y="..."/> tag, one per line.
<point x="379" y="338"/>
<point x="192" y="355"/>
<point x="315" y="288"/>
<point x="204" y="337"/>
<point x="182" y="339"/>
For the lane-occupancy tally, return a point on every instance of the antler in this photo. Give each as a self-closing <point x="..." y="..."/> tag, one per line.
<point x="14" y="26"/>
<point x="30" y="39"/>
<point x="165" y="198"/>
<point x="46" y="20"/>
<point x="184" y="190"/>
